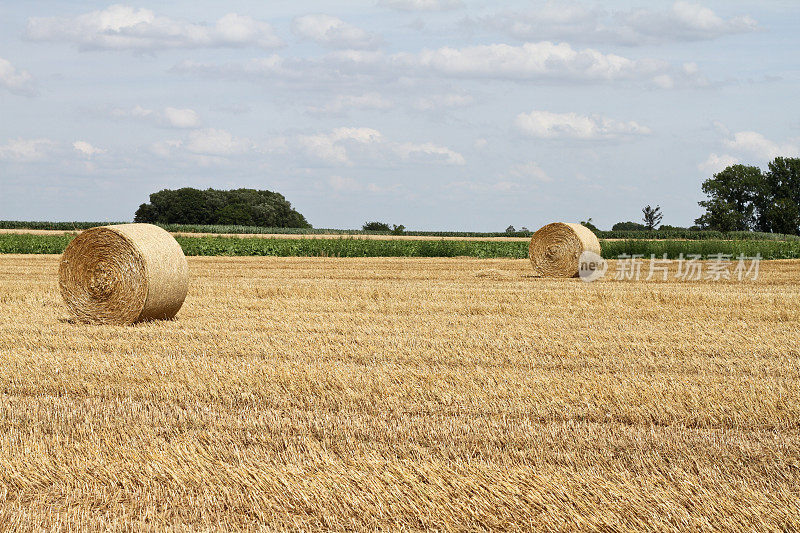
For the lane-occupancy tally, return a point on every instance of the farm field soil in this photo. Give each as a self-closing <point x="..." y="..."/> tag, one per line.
<point x="444" y="394"/>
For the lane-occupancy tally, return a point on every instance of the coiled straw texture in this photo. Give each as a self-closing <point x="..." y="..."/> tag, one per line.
<point x="123" y="274"/>
<point x="555" y="249"/>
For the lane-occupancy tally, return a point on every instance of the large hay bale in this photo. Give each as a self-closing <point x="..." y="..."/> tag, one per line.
<point x="123" y="274"/>
<point x="555" y="249"/>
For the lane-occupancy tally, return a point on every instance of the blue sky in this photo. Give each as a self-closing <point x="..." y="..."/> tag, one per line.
<point x="435" y="114"/>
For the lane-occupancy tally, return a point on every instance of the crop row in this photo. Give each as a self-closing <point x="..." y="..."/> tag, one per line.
<point x="626" y="234"/>
<point x="345" y="247"/>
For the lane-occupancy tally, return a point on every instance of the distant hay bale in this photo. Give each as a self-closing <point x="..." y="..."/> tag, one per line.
<point x="123" y="274"/>
<point x="556" y="248"/>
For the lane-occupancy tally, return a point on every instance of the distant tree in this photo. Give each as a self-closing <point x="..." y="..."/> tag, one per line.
<point x="510" y="229"/>
<point x="245" y="207"/>
<point x="746" y="198"/>
<point x="398" y="230"/>
<point x="523" y="228"/>
<point x="628" y="226"/>
<point x="376" y="226"/>
<point x="588" y="223"/>
<point x="733" y="198"/>
<point x="778" y="203"/>
<point x="652" y="217"/>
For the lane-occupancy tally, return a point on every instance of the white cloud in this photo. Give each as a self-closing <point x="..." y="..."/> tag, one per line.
<point x="333" y="32"/>
<point x="86" y="149"/>
<point x="16" y="81"/>
<point x="428" y="153"/>
<point x="206" y="146"/>
<point x="169" y="117"/>
<point x="559" y="20"/>
<point x="343" y="103"/>
<point x="339" y="147"/>
<point x="529" y="171"/>
<point x="26" y="149"/>
<point x="342" y="146"/>
<point x="716" y="163"/>
<point x="332" y="147"/>
<point x="527" y="62"/>
<point x="181" y="118"/>
<point x="421" y="5"/>
<point x="120" y="27"/>
<point x="685" y="21"/>
<point x="547" y="125"/>
<point x="756" y="144"/>
<point x="541" y="60"/>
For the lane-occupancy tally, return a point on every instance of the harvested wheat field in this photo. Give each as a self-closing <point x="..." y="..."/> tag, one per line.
<point x="445" y="394"/>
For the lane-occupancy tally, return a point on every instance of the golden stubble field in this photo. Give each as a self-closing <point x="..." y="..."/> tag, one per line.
<point x="404" y="394"/>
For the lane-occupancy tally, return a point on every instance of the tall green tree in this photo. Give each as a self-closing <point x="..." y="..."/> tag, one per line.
<point x="733" y="197"/>
<point x="652" y="216"/>
<point x="742" y="198"/>
<point x="242" y="207"/>
<point x="779" y="204"/>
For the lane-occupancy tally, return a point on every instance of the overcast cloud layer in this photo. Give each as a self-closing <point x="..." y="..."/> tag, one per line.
<point x="435" y="114"/>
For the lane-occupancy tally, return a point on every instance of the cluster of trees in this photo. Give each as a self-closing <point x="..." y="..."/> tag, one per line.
<point x="239" y="207"/>
<point x="384" y="227"/>
<point x="745" y="198"/>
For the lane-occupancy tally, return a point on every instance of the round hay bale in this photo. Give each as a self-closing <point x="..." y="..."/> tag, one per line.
<point x="123" y="274"/>
<point x="556" y="248"/>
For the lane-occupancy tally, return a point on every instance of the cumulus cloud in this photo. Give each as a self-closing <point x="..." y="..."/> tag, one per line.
<point x="527" y="62"/>
<point x="332" y="147"/>
<point x="547" y="125"/>
<point x="716" y="163"/>
<point x="181" y="118"/>
<point x="685" y="21"/>
<point x="572" y="21"/>
<point x="121" y="27"/>
<point x="757" y="145"/>
<point x="26" y="149"/>
<point x="339" y="147"/>
<point x="206" y="146"/>
<point x="428" y="153"/>
<point x="169" y="117"/>
<point x="541" y="60"/>
<point x="333" y="32"/>
<point x="343" y="146"/>
<point x="86" y="149"/>
<point x="15" y="80"/>
<point x="421" y="5"/>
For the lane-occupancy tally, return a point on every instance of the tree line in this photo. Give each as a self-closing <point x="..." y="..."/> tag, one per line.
<point x="239" y="207"/>
<point x="746" y="198"/>
<point x="741" y="198"/>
